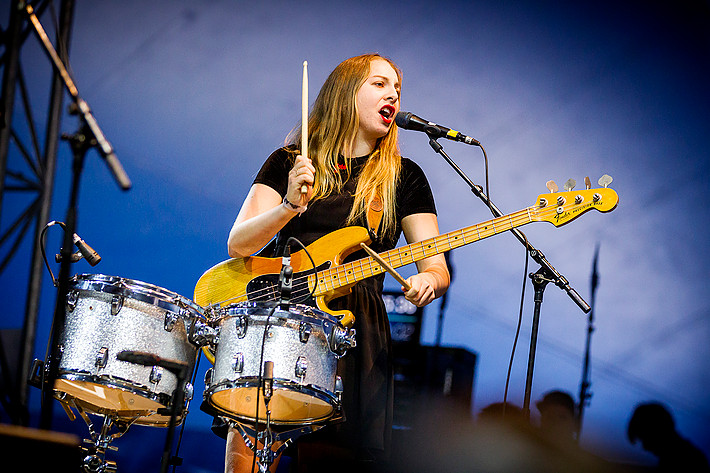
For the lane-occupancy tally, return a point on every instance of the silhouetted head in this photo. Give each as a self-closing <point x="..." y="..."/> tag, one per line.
<point x="557" y="414"/>
<point x="653" y="424"/>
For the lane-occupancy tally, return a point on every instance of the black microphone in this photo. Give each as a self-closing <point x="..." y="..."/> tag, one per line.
<point x="148" y="359"/>
<point x="91" y="256"/>
<point x="139" y="358"/>
<point x="285" y="279"/>
<point x="268" y="380"/>
<point x="409" y="121"/>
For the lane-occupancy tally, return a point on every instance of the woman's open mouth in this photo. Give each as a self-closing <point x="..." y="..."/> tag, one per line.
<point x="387" y="113"/>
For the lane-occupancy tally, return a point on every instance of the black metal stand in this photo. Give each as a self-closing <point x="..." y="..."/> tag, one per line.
<point x="80" y="145"/>
<point x="180" y="371"/>
<point x="584" y="394"/>
<point x="540" y="280"/>
<point x="90" y="135"/>
<point x="547" y="272"/>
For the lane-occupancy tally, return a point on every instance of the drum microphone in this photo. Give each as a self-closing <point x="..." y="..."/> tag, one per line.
<point x="85" y="251"/>
<point x="148" y="359"/>
<point x="268" y="380"/>
<point x="409" y="121"/>
<point x="91" y="256"/>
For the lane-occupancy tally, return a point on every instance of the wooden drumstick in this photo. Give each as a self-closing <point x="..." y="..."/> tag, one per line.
<point x="304" y="118"/>
<point x="387" y="267"/>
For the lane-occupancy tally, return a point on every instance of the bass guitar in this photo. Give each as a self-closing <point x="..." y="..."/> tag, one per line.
<point x="256" y="278"/>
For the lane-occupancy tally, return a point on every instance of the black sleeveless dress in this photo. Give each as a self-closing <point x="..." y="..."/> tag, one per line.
<point x="366" y="370"/>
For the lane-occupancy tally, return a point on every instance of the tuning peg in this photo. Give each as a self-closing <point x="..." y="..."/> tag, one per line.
<point x="551" y="186"/>
<point x="605" y="180"/>
<point x="587" y="183"/>
<point x="569" y="185"/>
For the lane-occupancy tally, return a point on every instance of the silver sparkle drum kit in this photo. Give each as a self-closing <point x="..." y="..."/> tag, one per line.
<point x="272" y="364"/>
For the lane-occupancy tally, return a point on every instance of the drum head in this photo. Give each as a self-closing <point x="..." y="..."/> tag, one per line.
<point x="287" y="406"/>
<point x="106" y="397"/>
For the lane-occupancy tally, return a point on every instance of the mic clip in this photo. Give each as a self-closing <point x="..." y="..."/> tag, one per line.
<point x="285" y="280"/>
<point x="285" y="286"/>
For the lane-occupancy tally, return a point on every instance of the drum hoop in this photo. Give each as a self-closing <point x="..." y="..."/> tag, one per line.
<point x="302" y="312"/>
<point x="136" y="290"/>
<point x="116" y="383"/>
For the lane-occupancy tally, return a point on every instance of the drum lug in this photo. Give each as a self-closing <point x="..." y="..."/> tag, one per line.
<point x="301" y="367"/>
<point x="116" y="304"/>
<point x="242" y="324"/>
<point x="156" y="374"/>
<point x="189" y="392"/>
<point x="339" y="388"/>
<point x="238" y="362"/>
<point x="208" y="376"/>
<point x="170" y="321"/>
<point x="72" y="299"/>
<point x="102" y="358"/>
<point x="304" y="332"/>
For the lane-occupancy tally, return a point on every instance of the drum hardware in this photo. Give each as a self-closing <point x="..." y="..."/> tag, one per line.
<point x="301" y="367"/>
<point x="116" y="304"/>
<point x="267" y="455"/>
<point x="238" y="363"/>
<point x="242" y="323"/>
<point x="99" y="442"/>
<point x="170" y="321"/>
<point x="304" y="331"/>
<point x="102" y="358"/>
<point x="339" y="389"/>
<point x="72" y="299"/>
<point x="340" y="339"/>
<point x="156" y="374"/>
<point x="201" y="335"/>
<point x="213" y="312"/>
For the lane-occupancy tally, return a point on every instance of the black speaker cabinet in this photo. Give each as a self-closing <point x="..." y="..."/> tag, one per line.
<point x="429" y="381"/>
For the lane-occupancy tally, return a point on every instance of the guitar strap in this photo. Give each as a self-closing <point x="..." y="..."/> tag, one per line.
<point x="374" y="216"/>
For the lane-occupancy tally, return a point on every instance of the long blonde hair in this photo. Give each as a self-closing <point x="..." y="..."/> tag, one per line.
<point x="333" y="125"/>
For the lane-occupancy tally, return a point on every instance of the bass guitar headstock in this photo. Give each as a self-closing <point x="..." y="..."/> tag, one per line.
<point x="559" y="208"/>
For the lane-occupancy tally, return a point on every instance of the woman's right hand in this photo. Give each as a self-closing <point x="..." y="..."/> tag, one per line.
<point x="302" y="174"/>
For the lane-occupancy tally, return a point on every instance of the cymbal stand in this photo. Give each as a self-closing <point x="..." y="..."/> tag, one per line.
<point x="547" y="272"/>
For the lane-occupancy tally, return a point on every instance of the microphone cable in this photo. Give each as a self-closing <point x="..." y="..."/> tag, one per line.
<point x="517" y="330"/>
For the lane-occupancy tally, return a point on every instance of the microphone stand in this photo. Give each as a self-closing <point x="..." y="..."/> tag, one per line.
<point x="89" y="135"/>
<point x="546" y="273"/>
<point x="180" y="371"/>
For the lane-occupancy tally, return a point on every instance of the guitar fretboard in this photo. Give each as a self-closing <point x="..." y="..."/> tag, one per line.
<point x="350" y="273"/>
